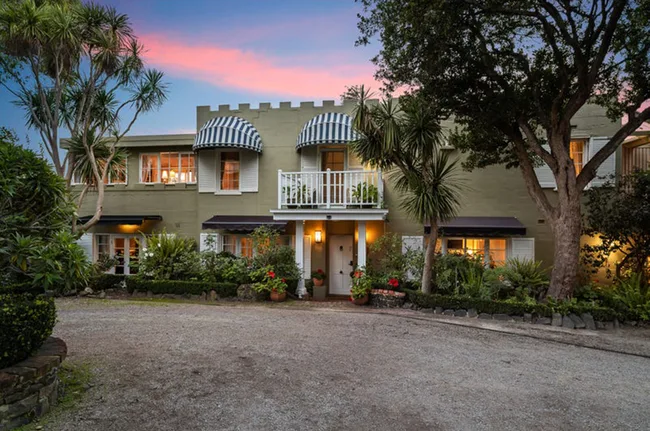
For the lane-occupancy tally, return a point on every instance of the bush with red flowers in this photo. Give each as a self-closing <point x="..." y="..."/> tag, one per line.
<point x="361" y="284"/>
<point x="268" y="281"/>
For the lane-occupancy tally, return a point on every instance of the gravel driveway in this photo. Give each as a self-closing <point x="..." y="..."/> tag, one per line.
<point x="201" y="367"/>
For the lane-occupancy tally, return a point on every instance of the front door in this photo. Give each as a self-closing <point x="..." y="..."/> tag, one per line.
<point x="340" y="263"/>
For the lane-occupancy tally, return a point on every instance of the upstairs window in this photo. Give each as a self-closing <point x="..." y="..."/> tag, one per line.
<point x="577" y="154"/>
<point x="168" y="168"/>
<point x="230" y="170"/>
<point x="117" y="176"/>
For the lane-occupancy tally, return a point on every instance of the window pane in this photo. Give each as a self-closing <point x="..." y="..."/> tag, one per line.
<point x="497" y="252"/>
<point x="230" y="171"/>
<point x="455" y="246"/>
<point x="150" y="169"/>
<point x="118" y="174"/>
<point x="475" y="246"/>
<point x="188" y="171"/>
<point x="229" y="244"/>
<point x="169" y="165"/>
<point x="246" y="246"/>
<point x="576" y="152"/>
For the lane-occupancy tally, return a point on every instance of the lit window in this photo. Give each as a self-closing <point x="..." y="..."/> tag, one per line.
<point x="150" y="168"/>
<point x="229" y="244"/>
<point x="455" y="246"/>
<point x="497" y="252"/>
<point x="229" y="171"/>
<point x="576" y="152"/>
<point x="246" y="244"/>
<point x="474" y="247"/>
<point x="168" y="168"/>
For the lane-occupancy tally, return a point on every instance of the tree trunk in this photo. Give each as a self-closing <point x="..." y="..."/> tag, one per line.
<point x="429" y="257"/>
<point x="567" y="229"/>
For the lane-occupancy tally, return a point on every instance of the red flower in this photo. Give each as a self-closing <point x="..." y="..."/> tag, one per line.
<point x="358" y="274"/>
<point x="393" y="282"/>
<point x="320" y="271"/>
<point x="271" y="274"/>
<point x="284" y="280"/>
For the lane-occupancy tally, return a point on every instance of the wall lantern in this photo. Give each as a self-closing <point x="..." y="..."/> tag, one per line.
<point x="318" y="236"/>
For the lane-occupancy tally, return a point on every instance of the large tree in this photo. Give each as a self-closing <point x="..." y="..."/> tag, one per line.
<point x="77" y="67"/>
<point x="404" y="139"/>
<point x="513" y="74"/>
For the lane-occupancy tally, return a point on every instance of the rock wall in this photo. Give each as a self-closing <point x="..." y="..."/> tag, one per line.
<point x="30" y="388"/>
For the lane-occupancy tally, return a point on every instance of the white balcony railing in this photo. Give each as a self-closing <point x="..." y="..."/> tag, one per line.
<point x="330" y="189"/>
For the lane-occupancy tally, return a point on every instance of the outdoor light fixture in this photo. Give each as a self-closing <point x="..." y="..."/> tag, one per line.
<point x="318" y="236"/>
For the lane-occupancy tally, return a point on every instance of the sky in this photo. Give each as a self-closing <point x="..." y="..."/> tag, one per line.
<point x="217" y="52"/>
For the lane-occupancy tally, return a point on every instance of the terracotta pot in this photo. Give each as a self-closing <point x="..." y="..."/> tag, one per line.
<point x="361" y="301"/>
<point x="317" y="282"/>
<point x="278" y="297"/>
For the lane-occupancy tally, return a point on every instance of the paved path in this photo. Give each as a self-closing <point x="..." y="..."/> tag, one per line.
<point x="201" y="367"/>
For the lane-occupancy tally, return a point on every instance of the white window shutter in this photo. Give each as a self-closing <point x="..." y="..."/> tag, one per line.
<point x="86" y="242"/>
<point x="306" y="261"/>
<point x="308" y="159"/>
<point x="249" y="171"/>
<point x="207" y="171"/>
<point x="203" y="244"/>
<point x="522" y="248"/>
<point x="544" y="174"/>
<point x="354" y="164"/>
<point x="608" y="167"/>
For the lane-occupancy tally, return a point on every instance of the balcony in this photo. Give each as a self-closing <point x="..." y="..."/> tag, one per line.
<point x="330" y="190"/>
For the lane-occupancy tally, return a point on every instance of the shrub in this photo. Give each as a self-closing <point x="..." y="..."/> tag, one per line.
<point x="106" y="281"/>
<point x="26" y="321"/>
<point x="473" y="283"/>
<point x="632" y="292"/>
<point x="224" y="267"/>
<point x="268" y="252"/>
<point x="169" y="257"/>
<point x="385" y="258"/>
<point x="269" y="281"/>
<point x="178" y="287"/>
<point x="449" y="270"/>
<point x="361" y="284"/>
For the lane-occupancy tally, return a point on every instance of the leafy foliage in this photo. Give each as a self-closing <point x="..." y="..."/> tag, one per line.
<point x="269" y="252"/>
<point x="269" y="281"/>
<point x="618" y="217"/>
<point x="169" y="257"/>
<point x="361" y="284"/>
<point x="26" y="321"/>
<point x="35" y="216"/>
<point x="385" y="257"/>
<point x="450" y="270"/>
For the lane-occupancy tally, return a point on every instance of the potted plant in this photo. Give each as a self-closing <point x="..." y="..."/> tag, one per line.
<point x="276" y="286"/>
<point x="361" y="286"/>
<point x="318" y="280"/>
<point x="364" y="194"/>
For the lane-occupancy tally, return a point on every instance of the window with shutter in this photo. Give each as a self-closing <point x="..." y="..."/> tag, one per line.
<point x="249" y="182"/>
<point x="544" y="174"/>
<point x="608" y="167"/>
<point x="207" y="171"/>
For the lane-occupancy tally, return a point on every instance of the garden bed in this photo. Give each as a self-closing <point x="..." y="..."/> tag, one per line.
<point x="384" y="298"/>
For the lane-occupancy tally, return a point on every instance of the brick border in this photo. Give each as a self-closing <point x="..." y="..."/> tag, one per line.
<point x="29" y="388"/>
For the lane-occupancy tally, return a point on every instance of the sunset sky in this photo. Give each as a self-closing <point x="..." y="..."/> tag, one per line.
<point x="247" y="51"/>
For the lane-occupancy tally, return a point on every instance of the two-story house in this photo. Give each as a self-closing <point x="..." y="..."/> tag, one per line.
<point x="290" y="168"/>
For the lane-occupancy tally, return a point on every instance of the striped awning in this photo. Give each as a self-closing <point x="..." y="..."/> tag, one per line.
<point x="228" y="132"/>
<point x="327" y="128"/>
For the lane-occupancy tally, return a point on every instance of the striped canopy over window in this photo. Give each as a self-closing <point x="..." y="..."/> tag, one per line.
<point x="228" y="132"/>
<point x="327" y="128"/>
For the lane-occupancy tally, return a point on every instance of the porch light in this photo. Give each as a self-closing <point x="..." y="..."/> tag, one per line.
<point x="318" y="236"/>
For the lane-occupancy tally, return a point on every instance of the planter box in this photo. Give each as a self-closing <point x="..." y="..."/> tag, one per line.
<point x="320" y="292"/>
<point x="387" y="299"/>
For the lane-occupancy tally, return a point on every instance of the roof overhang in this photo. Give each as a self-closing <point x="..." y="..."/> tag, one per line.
<point x="228" y="132"/>
<point x="330" y="214"/>
<point x="481" y="227"/>
<point x="122" y="219"/>
<point x="242" y="223"/>
<point x="327" y="128"/>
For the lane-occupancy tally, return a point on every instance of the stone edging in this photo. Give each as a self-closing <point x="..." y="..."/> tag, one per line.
<point x="29" y="388"/>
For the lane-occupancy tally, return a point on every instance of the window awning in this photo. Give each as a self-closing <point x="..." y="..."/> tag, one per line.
<point x="481" y="227"/>
<point x="327" y="128"/>
<point x="228" y="132"/>
<point x="242" y="223"/>
<point x="121" y="219"/>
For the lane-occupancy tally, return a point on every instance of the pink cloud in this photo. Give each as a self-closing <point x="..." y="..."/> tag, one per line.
<point x="254" y="72"/>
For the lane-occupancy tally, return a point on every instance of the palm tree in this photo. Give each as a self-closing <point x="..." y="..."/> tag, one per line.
<point x="404" y="139"/>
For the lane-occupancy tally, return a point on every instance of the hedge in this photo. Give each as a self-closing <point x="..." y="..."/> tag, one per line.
<point x="26" y="321"/>
<point x="424" y="300"/>
<point x="106" y="281"/>
<point x="178" y="287"/>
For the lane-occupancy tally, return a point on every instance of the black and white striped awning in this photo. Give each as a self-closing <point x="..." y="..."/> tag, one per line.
<point x="228" y="132"/>
<point x="327" y="128"/>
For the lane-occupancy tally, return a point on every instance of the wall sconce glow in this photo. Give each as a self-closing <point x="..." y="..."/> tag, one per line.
<point x="318" y="236"/>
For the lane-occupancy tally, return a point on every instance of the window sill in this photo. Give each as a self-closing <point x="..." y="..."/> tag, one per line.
<point x="228" y="192"/>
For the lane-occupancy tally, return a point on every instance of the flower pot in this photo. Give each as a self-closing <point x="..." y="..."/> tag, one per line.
<point x="361" y="301"/>
<point x="317" y="282"/>
<point x="278" y="297"/>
